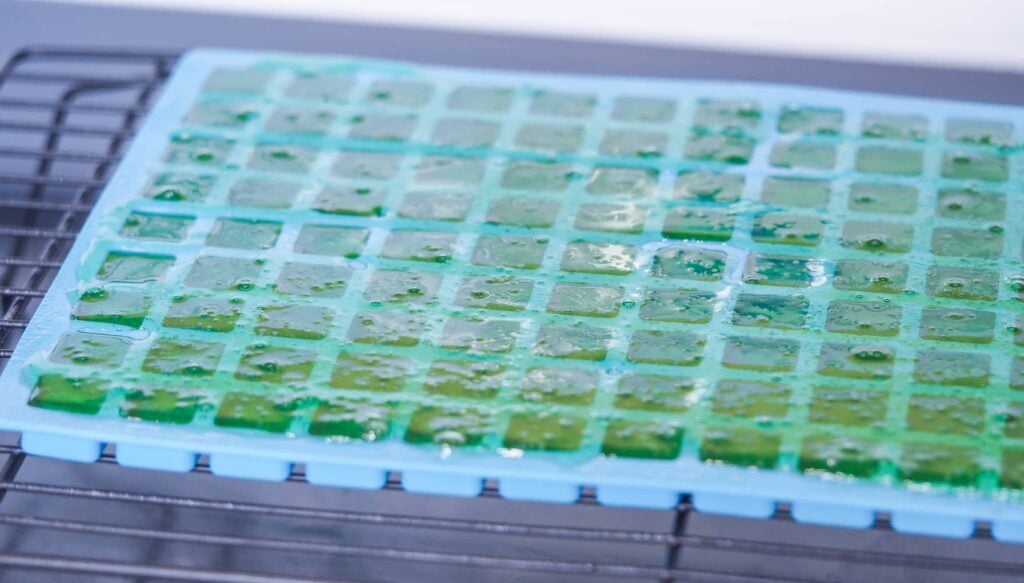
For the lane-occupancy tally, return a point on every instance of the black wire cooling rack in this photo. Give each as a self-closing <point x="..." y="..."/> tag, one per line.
<point x="66" y="116"/>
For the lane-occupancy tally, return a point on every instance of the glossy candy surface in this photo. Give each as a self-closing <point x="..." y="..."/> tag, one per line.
<point x="349" y="252"/>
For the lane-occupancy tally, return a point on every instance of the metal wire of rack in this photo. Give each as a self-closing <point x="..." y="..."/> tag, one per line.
<point x="66" y="116"/>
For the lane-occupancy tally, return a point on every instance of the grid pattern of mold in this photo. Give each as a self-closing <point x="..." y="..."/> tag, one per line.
<point x="58" y="510"/>
<point x="745" y="280"/>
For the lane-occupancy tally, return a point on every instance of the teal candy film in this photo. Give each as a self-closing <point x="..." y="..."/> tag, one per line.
<point x="741" y="291"/>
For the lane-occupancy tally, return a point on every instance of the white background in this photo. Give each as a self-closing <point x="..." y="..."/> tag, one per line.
<point x="985" y="34"/>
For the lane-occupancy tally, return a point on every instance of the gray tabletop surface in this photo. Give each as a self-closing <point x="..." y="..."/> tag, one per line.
<point x="24" y="23"/>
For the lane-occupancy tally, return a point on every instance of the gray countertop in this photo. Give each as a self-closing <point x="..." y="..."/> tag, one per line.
<point x="24" y="23"/>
